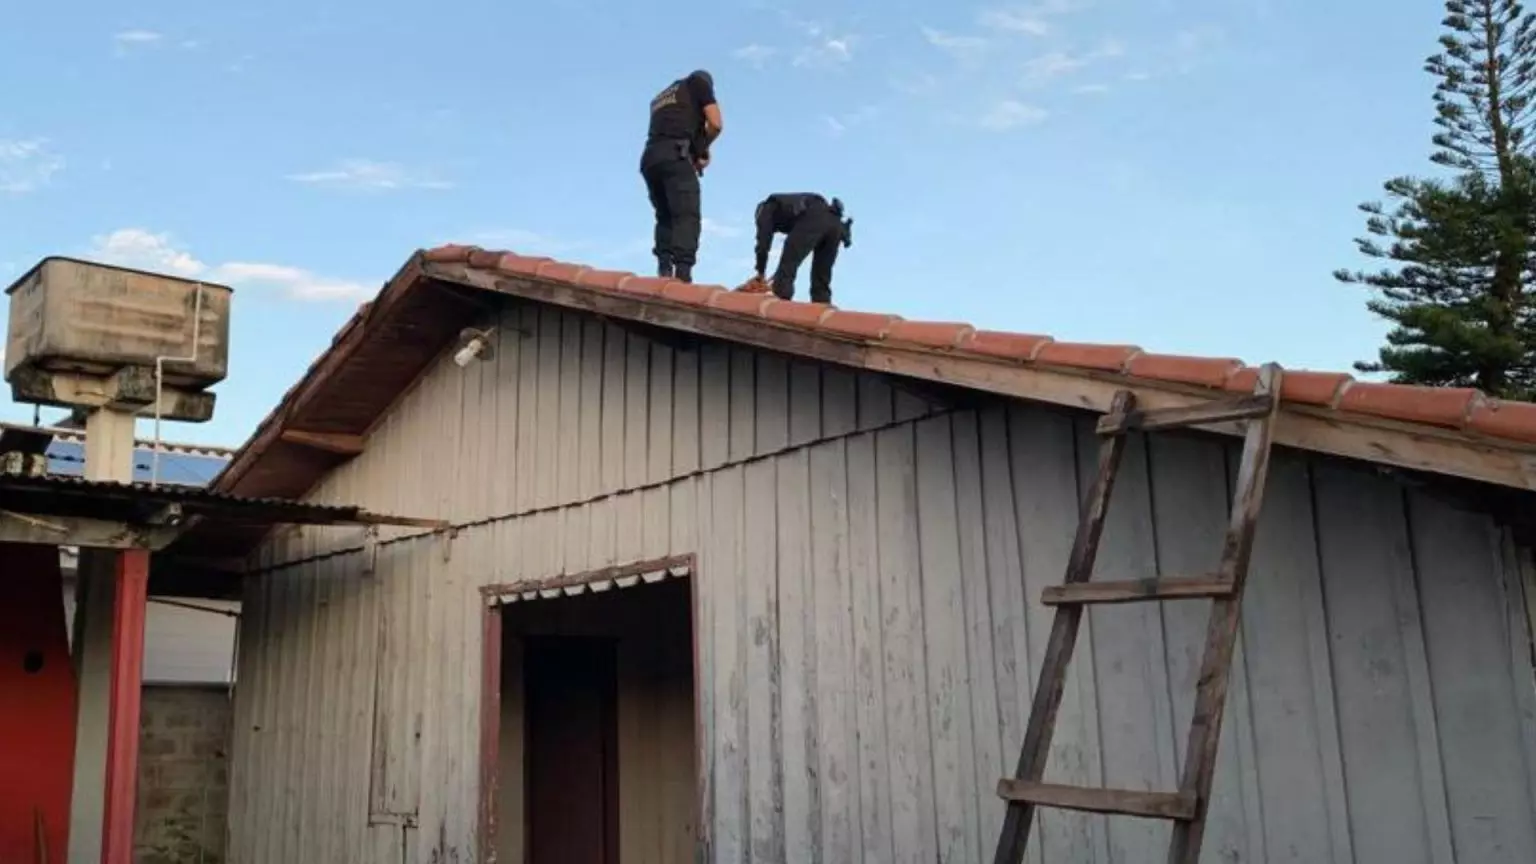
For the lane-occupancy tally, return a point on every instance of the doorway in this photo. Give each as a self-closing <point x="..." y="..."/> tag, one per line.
<point x="571" y="726"/>
<point x="591" y="752"/>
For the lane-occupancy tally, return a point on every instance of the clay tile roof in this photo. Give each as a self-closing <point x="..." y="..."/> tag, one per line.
<point x="1451" y="408"/>
<point x="404" y="317"/>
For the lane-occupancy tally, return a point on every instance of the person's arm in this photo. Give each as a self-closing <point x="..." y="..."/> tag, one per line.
<point x="703" y="91"/>
<point x="764" y="235"/>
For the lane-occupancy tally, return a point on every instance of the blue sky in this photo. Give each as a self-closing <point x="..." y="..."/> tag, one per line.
<point x="1178" y="174"/>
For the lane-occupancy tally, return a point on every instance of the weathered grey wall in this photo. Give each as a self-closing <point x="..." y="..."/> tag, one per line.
<point x="183" y="796"/>
<point x="868" y="579"/>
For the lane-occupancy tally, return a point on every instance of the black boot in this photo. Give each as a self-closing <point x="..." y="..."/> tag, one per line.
<point x="683" y="273"/>
<point x="783" y="289"/>
<point x="663" y="268"/>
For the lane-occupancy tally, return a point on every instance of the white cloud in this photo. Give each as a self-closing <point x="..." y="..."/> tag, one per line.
<point x="368" y="174"/>
<point x="1033" y="19"/>
<point x="1014" y="21"/>
<point x="142" y="250"/>
<point x="137" y="37"/>
<point x="1048" y="67"/>
<point x="821" y="46"/>
<point x="1091" y="89"/>
<point x="714" y="228"/>
<point x="754" y="54"/>
<point x="966" y="49"/>
<point x="1138" y="75"/>
<point x="1012" y="114"/>
<point x="26" y="165"/>
<point x="158" y="253"/>
<point x="826" y="51"/>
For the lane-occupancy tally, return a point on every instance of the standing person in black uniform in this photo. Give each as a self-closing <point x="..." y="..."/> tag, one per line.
<point x="685" y="121"/>
<point x="812" y="225"/>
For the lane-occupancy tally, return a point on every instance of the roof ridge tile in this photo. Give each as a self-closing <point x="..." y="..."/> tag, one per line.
<point x="1457" y="408"/>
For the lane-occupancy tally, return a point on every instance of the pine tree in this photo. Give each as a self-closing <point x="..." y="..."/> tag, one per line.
<point x="1459" y="291"/>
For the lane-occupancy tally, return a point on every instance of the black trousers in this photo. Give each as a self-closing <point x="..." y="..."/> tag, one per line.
<point x="673" y="186"/>
<point x="817" y="232"/>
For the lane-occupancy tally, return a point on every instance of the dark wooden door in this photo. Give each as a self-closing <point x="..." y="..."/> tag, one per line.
<point x="572" y="751"/>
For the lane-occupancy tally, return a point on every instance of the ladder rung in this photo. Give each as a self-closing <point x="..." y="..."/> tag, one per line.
<point x="1136" y="590"/>
<point x="1152" y="805"/>
<point x="1217" y="411"/>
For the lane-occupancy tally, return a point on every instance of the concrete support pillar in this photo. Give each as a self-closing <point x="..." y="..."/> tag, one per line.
<point x="109" y="652"/>
<point x="109" y="443"/>
<point x="96" y="591"/>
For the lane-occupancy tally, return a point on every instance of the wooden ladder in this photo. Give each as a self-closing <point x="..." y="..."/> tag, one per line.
<point x="1187" y="807"/>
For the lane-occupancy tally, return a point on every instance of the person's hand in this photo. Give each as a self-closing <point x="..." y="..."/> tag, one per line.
<point x="700" y="163"/>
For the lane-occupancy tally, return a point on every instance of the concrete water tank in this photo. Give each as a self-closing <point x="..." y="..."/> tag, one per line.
<point x="70" y="316"/>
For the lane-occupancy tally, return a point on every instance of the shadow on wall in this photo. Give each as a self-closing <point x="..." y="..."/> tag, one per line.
<point x="37" y="707"/>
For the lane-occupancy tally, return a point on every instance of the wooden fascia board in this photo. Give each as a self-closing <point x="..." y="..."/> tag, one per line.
<point x="1420" y="448"/>
<point x="316" y="378"/>
<point x="338" y="443"/>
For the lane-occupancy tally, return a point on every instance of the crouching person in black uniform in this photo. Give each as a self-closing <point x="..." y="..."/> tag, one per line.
<point x="685" y="121"/>
<point x="812" y="226"/>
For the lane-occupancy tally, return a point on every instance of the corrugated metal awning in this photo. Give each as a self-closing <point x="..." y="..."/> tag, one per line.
<point x="593" y="581"/>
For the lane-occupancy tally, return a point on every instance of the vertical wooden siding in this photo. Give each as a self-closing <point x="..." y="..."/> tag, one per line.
<point x="869" y="570"/>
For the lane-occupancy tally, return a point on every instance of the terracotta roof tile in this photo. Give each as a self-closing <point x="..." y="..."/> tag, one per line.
<point x="608" y="280"/>
<point x="804" y="314"/>
<point x="518" y="265"/>
<point x="742" y="303"/>
<point x="1515" y="420"/>
<point x="484" y="258"/>
<point x="450" y="254"/>
<point x="1205" y="371"/>
<point x="648" y="286"/>
<point x="865" y="325"/>
<point x="561" y="271"/>
<point x="1437" y="406"/>
<point x="1014" y="346"/>
<point x="1110" y="358"/>
<point x="1451" y="408"/>
<point x="932" y="334"/>
<point x="1300" y="386"/>
<point x="687" y="292"/>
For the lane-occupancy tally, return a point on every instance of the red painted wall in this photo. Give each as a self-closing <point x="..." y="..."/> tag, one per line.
<point x="37" y="706"/>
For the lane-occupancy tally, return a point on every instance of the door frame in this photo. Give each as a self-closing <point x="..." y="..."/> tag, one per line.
<point x="490" y="687"/>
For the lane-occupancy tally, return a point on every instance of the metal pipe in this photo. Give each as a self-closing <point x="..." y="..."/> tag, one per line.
<point x="197" y="326"/>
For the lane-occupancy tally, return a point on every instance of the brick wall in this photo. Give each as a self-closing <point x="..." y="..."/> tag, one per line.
<point x="183" y="797"/>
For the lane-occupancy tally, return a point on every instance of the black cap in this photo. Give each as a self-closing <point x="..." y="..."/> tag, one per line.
<point x="703" y="73"/>
<point x="837" y="207"/>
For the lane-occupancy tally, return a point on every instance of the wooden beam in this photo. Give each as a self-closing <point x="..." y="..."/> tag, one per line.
<point x="1213" y="412"/>
<point x="80" y="531"/>
<point x="1136" y="590"/>
<point x="1386" y="442"/>
<point x="340" y="443"/>
<point x="1123" y="802"/>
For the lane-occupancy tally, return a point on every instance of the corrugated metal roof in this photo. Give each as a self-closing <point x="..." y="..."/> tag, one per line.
<point x="177" y="465"/>
<point x="140" y="502"/>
